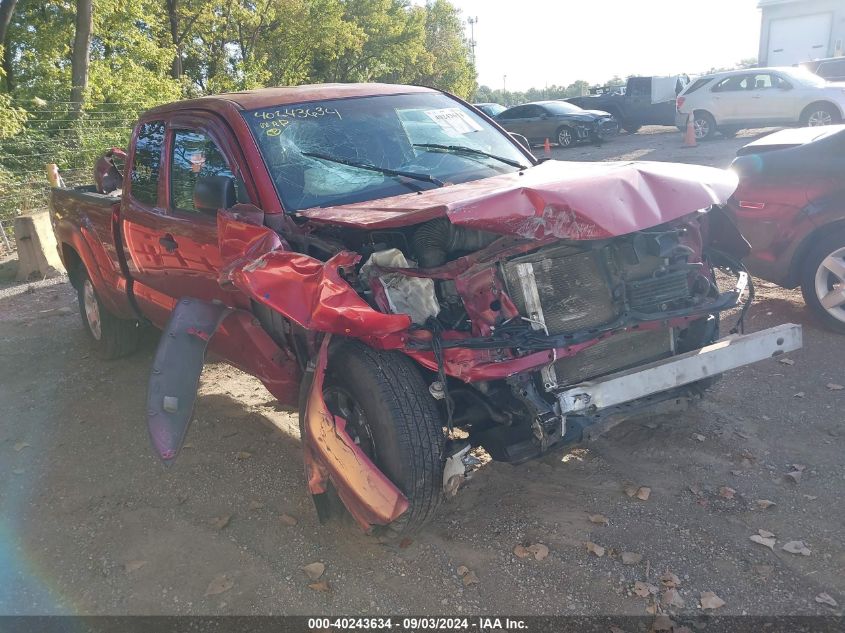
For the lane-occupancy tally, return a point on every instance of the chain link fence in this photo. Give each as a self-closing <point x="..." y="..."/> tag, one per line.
<point x="55" y="133"/>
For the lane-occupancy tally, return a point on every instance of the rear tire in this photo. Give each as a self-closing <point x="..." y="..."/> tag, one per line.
<point x="631" y="128"/>
<point x="823" y="281"/>
<point x="393" y="418"/>
<point x="111" y="336"/>
<point x="704" y="125"/>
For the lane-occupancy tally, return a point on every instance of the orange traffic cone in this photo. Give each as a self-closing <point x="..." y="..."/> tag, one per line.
<point x="689" y="137"/>
<point x="547" y="148"/>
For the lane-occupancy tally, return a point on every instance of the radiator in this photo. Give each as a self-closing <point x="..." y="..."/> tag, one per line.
<point x="573" y="291"/>
<point x="566" y="290"/>
<point x="615" y="353"/>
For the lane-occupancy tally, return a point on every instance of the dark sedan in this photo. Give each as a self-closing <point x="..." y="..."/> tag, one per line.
<point x="832" y="68"/>
<point x="558" y="121"/>
<point x="790" y="205"/>
<point x="490" y="109"/>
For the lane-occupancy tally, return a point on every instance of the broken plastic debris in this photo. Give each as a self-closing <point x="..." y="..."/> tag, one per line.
<point x="796" y="547"/>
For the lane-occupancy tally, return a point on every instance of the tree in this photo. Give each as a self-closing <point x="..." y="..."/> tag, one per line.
<point x="7" y="9"/>
<point x="447" y="64"/>
<point x="12" y="119"/>
<point x="181" y="16"/>
<point x="80" y="59"/>
<point x="392" y="39"/>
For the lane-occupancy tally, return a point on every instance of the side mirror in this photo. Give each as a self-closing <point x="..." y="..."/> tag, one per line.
<point x="214" y="192"/>
<point x="519" y="138"/>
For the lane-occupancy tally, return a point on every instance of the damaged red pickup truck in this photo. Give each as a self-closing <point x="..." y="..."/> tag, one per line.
<point x="394" y="264"/>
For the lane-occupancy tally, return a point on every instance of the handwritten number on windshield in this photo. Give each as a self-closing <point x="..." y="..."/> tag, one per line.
<point x="316" y="112"/>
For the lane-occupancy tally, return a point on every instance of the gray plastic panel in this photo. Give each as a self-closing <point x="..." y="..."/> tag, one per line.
<point x="176" y="372"/>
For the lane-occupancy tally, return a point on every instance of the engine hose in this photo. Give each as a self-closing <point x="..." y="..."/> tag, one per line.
<point x="437" y="348"/>
<point x="434" y="241"/>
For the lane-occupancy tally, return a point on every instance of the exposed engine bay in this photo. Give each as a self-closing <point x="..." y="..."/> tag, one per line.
<point x="588" y="308"/>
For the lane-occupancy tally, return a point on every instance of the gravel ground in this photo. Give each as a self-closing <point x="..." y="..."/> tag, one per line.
<point x="92" y="523"/>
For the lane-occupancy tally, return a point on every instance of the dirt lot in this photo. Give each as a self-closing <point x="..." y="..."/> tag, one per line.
<point x="90" y="522"/>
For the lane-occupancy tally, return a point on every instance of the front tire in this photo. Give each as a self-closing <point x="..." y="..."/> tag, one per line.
<point x="110" y="336"/>
<point x="565" y="137"/>
<point x="393" y="418"/>
<point x="823" y="281"/>
<point x="820" y="114"/>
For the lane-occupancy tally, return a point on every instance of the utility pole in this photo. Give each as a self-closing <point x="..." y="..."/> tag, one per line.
<point x="472" y="22"/>
<point x="505" y="89"/>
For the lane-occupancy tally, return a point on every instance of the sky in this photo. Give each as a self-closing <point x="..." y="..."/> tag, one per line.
<point x="539" y="42"/>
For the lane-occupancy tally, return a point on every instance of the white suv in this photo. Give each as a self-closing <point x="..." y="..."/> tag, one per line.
<point x="759" y="97"/>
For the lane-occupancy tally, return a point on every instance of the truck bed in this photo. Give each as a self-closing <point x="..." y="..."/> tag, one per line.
<point x="86" y="224"/>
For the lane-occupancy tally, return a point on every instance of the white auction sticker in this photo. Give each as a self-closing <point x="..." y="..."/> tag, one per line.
<point x="453" y="121"/>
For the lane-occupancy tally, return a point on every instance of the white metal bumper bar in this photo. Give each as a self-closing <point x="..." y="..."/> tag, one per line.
<point x="728" y="353"/>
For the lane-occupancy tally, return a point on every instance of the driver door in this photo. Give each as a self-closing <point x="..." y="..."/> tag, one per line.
<point x="195" y="150"/>
<point x="173" y="246"/>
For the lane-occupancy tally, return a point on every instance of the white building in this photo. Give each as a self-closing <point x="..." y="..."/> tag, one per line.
<point x="796" y="31"/>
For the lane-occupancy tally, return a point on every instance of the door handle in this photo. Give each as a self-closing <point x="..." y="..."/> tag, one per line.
<point x="168" y="242"/>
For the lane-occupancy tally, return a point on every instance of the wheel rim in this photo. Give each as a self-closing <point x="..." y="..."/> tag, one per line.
<point x="92" y="310"/>
<point x="819" y="118"/>
<point x="341" y="403"/>
<point x="830" y="284"/>
<point x="564" y="138"/>
<point x="701" y="127"/>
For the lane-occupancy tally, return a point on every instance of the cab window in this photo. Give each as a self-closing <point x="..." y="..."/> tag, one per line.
<point x="194" y="156"/>
<point x="147" y="162"/>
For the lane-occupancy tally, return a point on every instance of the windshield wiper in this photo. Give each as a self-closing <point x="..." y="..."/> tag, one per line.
<point x="382" y="170"/>
<point x="463" y="149"/>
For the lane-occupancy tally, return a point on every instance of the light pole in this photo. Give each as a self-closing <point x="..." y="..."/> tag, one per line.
<point x="505" y="88"/>
<point x="472" y="22"/>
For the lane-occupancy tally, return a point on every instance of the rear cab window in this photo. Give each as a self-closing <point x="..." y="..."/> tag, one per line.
<point x="639" y="87"/>
<point x="146" y="164"/>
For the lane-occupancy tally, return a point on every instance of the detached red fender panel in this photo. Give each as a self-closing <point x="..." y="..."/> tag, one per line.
<point x="330" y="453"/>
<point x="306" y="290"/>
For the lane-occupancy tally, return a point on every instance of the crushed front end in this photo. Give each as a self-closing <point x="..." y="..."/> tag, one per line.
<point x="540" y="307"/>
<point x="519" y="328"/>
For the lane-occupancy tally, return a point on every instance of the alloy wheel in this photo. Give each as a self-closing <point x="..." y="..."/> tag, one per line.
<point x="92" y="310"/>
<point x="830" y="284"/>
<point x="564" y="137"/>
<point x="701" y="127"/>
<point x="819" y="118"/>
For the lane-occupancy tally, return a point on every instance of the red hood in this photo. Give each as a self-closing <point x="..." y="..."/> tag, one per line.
<point x="561" y="199"/>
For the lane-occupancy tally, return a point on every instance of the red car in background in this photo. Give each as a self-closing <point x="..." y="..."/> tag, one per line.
<point x="790" y="205"/>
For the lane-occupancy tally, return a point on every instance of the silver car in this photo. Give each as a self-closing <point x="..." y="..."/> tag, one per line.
<point x="758" y="97"/>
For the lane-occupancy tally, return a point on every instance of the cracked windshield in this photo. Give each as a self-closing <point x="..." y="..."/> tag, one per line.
<point x="358" y="149"/>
